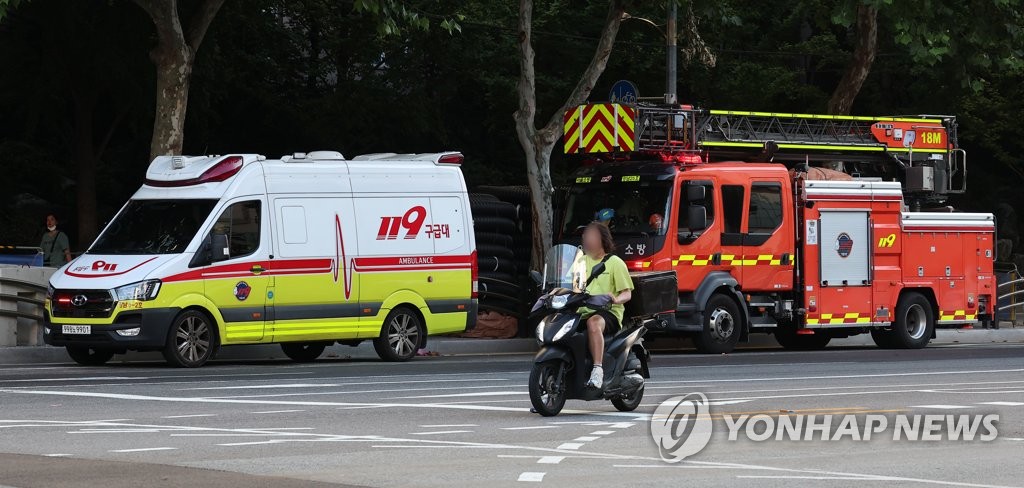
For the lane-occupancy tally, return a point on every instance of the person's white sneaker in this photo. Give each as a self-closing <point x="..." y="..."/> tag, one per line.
<point x="596" y="378"/>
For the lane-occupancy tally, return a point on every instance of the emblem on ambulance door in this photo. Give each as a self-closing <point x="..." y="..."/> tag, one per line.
<point x="844" y="244"/>
<point x="242" y="290"/>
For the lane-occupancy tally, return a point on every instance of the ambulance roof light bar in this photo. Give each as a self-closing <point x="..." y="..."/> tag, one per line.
<point x="220" y="171"/>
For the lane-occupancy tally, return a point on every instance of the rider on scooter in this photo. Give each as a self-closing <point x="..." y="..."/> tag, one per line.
<point x="614" y="283"/>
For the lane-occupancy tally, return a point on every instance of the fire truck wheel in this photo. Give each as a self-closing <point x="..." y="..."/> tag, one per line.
<point x="400" y="336"/>
<point x="722" y="326"/>
<point x="915" y="321"/>
<point x="789" y="339"/>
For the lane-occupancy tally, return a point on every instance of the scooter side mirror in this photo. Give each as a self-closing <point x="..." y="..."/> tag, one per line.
<point x="537" y="277"/>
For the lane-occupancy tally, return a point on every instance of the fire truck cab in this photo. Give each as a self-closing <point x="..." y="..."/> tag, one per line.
<point x="760" y="247"/>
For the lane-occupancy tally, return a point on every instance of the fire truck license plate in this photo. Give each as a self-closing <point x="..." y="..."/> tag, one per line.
<point x="75" y="329"/>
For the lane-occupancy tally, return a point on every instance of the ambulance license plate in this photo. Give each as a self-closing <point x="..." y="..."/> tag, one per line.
<point x="75" y="329"/>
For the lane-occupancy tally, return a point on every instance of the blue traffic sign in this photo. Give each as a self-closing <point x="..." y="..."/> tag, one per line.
<point x="624" y="91"/>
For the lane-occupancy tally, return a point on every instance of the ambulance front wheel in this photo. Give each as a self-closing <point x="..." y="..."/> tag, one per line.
<point x="402" y="334"/>
<point x="722" y="324"/>
<point x="191" y="340"/>
<point x="915" y="322"/>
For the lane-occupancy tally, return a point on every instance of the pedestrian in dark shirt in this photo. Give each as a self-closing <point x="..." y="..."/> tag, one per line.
<point x="56" y="251"/>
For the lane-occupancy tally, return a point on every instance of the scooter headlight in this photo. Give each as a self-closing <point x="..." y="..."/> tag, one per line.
<point x="558" y="302"/>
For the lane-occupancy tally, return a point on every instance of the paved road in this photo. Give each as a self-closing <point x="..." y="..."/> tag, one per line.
<point x="465" y="421"/>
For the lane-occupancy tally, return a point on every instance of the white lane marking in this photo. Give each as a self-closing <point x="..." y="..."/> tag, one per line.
<point x="602" y="432"/>
<point x="177" y="377"/>
<point x="847" y="376"/>
<point x="278" y="411"/>
<point x="819" y="478"/>
<point x="458" y="395"/>
<point x="80" y="378"/>
<point x="570" y="446"/>
<point x="532" y="427"/>
<point x="586" y="438"/>
<point x="441" y="426"/>
<point x="649" y="386"/>
<point x="550" y="459"/>
<point x="439" y="432"/>
<point x="351" y="392"/>
<point x="194" y="415"/>
<point x="145" y="449"/>
<point x="941" y="407"/>
<point x="354" y="383"/>
<point x="1003" y="404"/>
<point x="114" y="431"/>
<point x="122" y="396"/>
<point x="56" y="455"/>
<point x="531" y="477"/>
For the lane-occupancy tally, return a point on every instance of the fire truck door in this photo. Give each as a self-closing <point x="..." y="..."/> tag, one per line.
<point x="845" y="248"/>
<point x="733" y="205"/>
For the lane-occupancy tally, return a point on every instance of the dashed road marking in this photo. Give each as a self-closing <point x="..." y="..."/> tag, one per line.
<point x="441" y="426"/>
<point x="56" y="455"/>
<point x="550" y="459"/>
<point x="531" y="476"/>
<point x="1003" y="404"/>
<point x="531" y="427"/>
<point x="439" y="432"/>
<point x="194" y="415"/>
<point x="145" y="449"/>
<point x="602" y="432"/>
<point x="278" y="411"/>
<point x="942" y="407"/>
<point x="586" y="438"/>
<point x="570" y="446"/>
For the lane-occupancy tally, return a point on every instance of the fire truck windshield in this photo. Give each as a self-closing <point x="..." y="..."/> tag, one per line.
<point x="153" y="227"/>
<point x="636" y="207"/>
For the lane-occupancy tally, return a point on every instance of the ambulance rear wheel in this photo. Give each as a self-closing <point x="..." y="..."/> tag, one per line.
<point x="191" y="340"/>
<point x="400" y="336"/>
<point x="87" y="356"/>
<point x="722" y="326"/>
<point x="303" y="352"/>
<point x="915" y="322"/>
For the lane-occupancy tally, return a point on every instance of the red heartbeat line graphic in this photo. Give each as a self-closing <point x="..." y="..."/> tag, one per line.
<point x="339" y="253"/>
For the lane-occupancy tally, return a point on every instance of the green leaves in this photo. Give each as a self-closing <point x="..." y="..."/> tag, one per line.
<point x="6" y="6"/>
<point x="394" y="17"/>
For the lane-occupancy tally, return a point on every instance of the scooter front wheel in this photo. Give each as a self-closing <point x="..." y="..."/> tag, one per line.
<point x="547" y="387"/>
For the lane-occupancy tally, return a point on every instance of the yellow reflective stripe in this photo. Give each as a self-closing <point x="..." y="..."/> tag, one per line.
<point x="827" y="117"/>
<point x="821" y="147"/>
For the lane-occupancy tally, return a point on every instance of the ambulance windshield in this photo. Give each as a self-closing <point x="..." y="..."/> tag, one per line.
<point x="631" y="208"/>
<point x="153" y="227"/>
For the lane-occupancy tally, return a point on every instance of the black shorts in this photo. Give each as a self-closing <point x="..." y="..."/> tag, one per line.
<point x="611" y="324"/>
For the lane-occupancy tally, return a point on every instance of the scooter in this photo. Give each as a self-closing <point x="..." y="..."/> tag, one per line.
<point x="562" y="366"/>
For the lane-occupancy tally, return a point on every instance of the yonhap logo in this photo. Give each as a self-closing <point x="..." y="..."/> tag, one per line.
<point x="681" y="426"/>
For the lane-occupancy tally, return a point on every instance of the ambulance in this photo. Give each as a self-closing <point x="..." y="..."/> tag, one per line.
<point x="304" y="251"/>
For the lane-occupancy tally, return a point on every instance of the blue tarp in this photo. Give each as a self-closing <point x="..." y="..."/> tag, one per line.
<point x="21" y="256"/>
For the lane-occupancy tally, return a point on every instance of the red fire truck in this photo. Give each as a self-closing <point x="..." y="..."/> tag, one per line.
<point x="808" y="227"/>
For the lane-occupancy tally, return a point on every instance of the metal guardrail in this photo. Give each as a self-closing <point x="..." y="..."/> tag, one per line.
<point x="13" y="313"/>
<point x="1011" y="293"/>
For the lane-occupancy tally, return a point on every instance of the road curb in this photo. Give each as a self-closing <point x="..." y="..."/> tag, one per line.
<point x="455" y="346"/>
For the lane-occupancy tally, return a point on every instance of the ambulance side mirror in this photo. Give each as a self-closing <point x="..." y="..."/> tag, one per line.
<point x="219" y="247"/>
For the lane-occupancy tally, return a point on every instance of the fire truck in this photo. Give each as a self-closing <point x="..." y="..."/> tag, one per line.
<point x="809" y="227"/>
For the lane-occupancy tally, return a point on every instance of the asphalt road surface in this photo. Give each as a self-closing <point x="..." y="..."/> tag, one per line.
<point x="466" y="421"/>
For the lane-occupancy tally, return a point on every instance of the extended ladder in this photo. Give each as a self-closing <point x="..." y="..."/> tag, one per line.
<point x="921" y="151"/>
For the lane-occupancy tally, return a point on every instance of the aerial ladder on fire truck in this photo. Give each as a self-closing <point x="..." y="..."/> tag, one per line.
<point x="920" y="151"/>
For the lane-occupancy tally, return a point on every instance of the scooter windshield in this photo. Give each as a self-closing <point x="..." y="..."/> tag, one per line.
<point x="564" y="268"/>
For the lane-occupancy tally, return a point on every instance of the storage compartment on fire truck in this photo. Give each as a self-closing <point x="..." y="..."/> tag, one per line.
<point x="654" y="292"/>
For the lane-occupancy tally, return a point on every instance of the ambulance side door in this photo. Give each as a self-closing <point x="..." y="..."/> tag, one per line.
<point x="235" y="282"/>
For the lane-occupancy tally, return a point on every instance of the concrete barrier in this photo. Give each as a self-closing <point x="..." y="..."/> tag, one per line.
<point x="22" y="292"/>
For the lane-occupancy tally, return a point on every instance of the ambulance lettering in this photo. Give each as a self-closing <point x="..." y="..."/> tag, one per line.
<point x="413" y="220"/>
<point x="103" y="265"/>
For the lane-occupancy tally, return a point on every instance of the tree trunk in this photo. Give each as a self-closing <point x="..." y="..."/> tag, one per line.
<point x="538" y="144"/>
<point x="173" y="56"/>
<point x="173" y="72"/>
<point x="859" y="67"/>
<point x="84" y="158"/>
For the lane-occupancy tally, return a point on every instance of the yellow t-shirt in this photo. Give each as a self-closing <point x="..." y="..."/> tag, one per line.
<point x="614" y="279"/>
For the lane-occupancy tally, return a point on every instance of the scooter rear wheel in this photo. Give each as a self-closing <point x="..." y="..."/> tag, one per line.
<point x="630" y="403"/>
<point x="547" y="398"/>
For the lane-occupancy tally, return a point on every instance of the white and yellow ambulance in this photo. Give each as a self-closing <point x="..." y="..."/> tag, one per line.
<point x="305" y="251"/>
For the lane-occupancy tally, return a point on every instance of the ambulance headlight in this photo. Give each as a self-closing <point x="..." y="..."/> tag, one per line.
<point x="134" y="331"/>
<point x="143" y="290"/>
